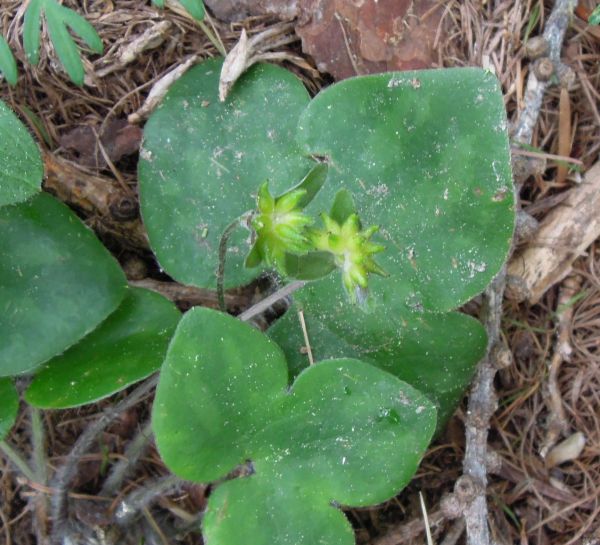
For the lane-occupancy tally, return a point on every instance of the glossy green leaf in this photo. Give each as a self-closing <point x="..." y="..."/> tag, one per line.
<point x="273" y="513"/>
<point x="594" y="18"/>
<point x="425" y="157"/>
<point x="346" y="432"/>
<point x="127" y="347"/>
<point x="32" y="29"/>
<point x="21" y="169"/>
<point x="57" y="282"/>
<point x="8" y="64"/>
<point x="203" y="161"/>
<point x="59" y="19"/>
<point x="436" y="353"/>
<point x="9" y="406"/>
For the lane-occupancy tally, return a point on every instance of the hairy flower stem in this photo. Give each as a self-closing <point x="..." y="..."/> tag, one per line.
<point x="67" y="472"/>
<point x="140" y="498"/>
<point x="38" y="435"/>
<point x="40" y="465"/>
<point x="221" y="270"/>
<point x="133" y="452"/>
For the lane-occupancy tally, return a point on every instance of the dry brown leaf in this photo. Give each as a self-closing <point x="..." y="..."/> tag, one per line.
<point x="349" y="37"/>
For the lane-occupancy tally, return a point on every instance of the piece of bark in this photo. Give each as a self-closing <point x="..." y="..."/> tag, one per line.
<point x="564" y="234"/>
<point x="112" y="210"/>
<point x="237" y="10"/>
<point x="347" y="38"/>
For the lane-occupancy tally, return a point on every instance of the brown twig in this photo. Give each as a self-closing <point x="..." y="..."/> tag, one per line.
<point x="115" y="211"/>
<point x="557" y="423"/>
<point x="470" y="489"/>
<point x="186" y="297"/>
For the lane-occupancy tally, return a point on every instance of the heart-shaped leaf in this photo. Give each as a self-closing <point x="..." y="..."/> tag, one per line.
<point x="21" y="168"/>
<point x="127" y="347"/>
<point x="57" y="282"/>
<point x="346" y="432"/>
<point x="425" y="157"/>
<point x="9" y="406"/>
<point x="8" y="65"/>
<point x="436" y="353"/>
<point x="203" y="161"/>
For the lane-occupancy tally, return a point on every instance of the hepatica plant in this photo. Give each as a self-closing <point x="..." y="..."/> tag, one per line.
<point x="391" y="195"/>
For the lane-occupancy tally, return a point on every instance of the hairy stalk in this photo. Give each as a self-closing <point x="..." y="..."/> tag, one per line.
<point x="40" y="464"/>
<point x="136" y="448"/>
<point x="18" y="460"/>
<point x="221" y="270"/>
<point x="137" y="500"/>
<point x="67" y="472"/>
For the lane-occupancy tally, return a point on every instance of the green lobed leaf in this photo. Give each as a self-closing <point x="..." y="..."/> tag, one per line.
<point x="346" y="432"/>
<point x="57" y="282"/>
<point x="436" y="353"/>
<point x="425" y="157"/>
<point x="8" y="64"/>
<point x="21" y="168"/>
<point x="59" y="19"/>
<point x="202" y="162"/>
<point x="127" y="347"/>
<point x="32" y="28"/>
<point x="9" y="406"/>
<point x="594" y="18"/>
<point x="65" y="47"/>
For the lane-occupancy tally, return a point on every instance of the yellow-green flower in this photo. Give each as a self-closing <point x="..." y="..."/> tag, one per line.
<point x="280" y="228"/>
<point x="352" y="249"/>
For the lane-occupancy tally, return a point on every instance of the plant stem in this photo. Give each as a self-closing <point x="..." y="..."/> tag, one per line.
<point x="18" y="461"/>
<point x="135" y="449"/>
<point x="140" y="498"/>
<point x="67" y="472"/>
<point x="222" y="256"/>
<point x="271" y="299"/>
<point x="40" y="465"/>
<point x="213" y="37"/>
<point x="39" y="446"/>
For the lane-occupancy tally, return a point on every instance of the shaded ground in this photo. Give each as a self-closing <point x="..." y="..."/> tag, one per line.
<point x="528" y="503"/>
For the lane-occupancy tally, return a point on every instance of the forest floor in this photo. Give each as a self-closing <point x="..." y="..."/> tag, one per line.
<point x="555" y="343"/>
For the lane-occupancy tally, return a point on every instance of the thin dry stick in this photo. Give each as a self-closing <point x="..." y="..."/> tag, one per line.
<point x="263" y="305"/>
<point x="482" y="399"/>
<point x="557" y="423"/>
<point x="309" y="353"/>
